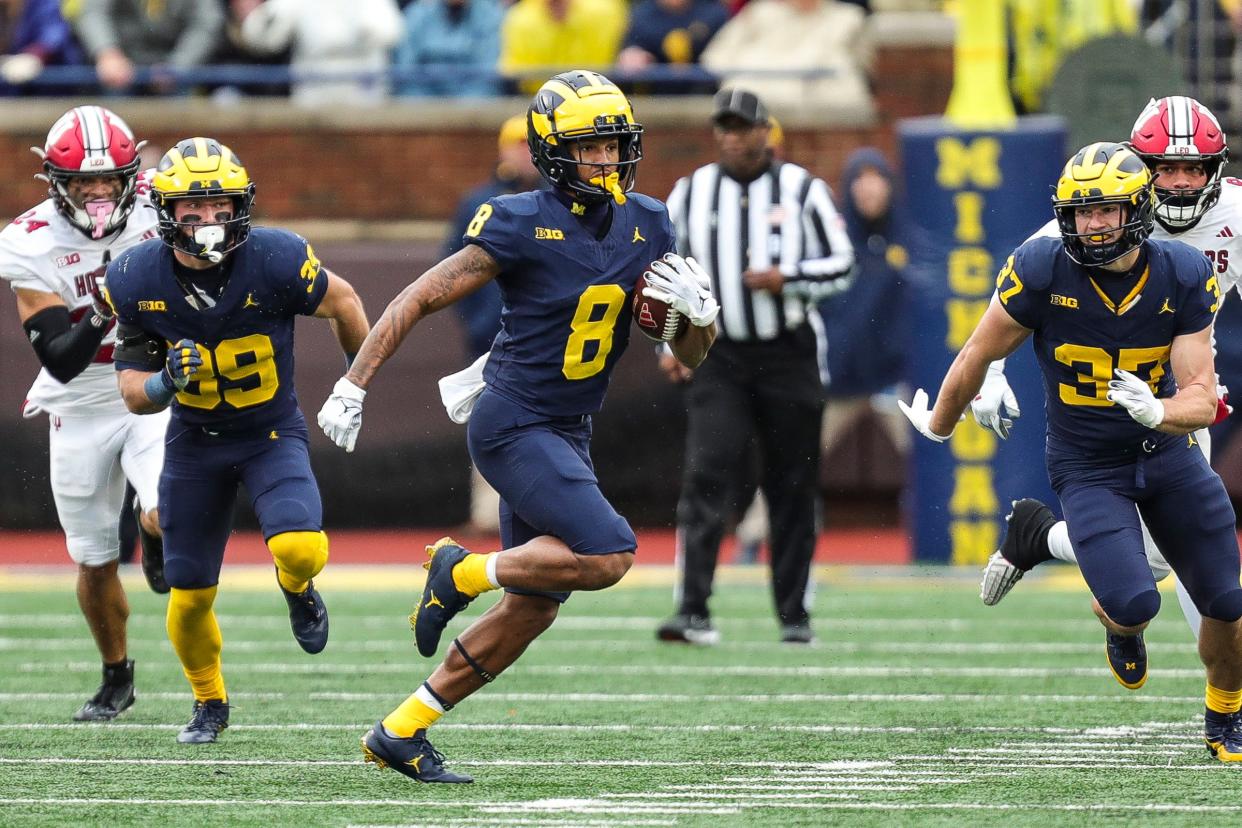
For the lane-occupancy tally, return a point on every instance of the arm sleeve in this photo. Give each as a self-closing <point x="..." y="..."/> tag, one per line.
<point x="64" y="348"/>
<point x="828" y="266"/>
<point x="1014" y="296"/>
<point x="497" y="235"/>
<point x="301" y="275"/>
<point x="1199" y="298"/>
<point x="678" y="208"/>
<point x="138" y="350"/>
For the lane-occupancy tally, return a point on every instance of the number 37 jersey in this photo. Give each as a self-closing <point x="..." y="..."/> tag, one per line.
<point x="567" y="296"/>
<point x="245" y="383"/>
<point x="1087" y="326"/>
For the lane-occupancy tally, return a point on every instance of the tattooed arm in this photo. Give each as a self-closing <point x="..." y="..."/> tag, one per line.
<point x="464" y="272"/>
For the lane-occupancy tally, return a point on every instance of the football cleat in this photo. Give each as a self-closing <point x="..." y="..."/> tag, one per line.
<point x="690" y="629"/>
<point x="1223" y="734"/>
<point x="1127" y="658"/>
<point x="797" y="633"/>
<point x="441" y="598"/>
<point x="1025" y="546"/>
<point x="152" y="555"/>
<point x="308" y="616"/>
<point x="115" y="695"/>
<point x="413" y="756"/>
<point x="209" y="718"/>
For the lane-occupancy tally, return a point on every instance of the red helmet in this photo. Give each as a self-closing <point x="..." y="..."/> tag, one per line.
<point x="91" y="141"/>
<point x="1178" y="128"/>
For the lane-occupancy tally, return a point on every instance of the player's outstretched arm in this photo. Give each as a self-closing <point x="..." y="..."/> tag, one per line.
<point x="995" y="337"/>
<point x="464" y="272"/>
<point x="343" y="309"/>
<point x="459" y="275"/>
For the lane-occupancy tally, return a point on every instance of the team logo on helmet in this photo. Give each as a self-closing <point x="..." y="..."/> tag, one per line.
<point x="576" y="105"/>
<point x="1104" y="173"/>
<point x="90" y="141"/>
<point x="1178" y="128"/>
<point x="199" y="168"/>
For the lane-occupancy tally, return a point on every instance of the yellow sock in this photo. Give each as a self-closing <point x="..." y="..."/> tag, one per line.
<point x="208" y="683"/>
<point x="1223" y="701"/>
<point x="472" y="575"/>
<point x="195" y="637"/>
<point x="419" y="712"/>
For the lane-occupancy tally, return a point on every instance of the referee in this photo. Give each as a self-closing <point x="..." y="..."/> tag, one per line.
<point x="768" y="234"/>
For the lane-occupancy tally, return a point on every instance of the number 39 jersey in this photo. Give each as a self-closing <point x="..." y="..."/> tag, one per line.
<point x="1082" y="335"/>
<point x="567" y="296"/>
<point x="245" y="383"/>
<point x="41" y="251"/>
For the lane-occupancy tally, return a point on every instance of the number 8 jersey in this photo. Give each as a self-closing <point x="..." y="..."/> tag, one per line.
<point x="1089" y="322"/>
<point x="566" y="294"/>
<point x="245" y="338"/>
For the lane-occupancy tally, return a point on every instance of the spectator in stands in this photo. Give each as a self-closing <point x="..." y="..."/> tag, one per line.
<point x="539" y="37"/>
<point x="452" y="47"/>
<point x="171" y="35"/>
<point x="480" y="311"/>
<point x="866" y="325"/>
<point x="233" y="50"/>
<point x="795" y="36"/>
<point x="329" y="37"/>
<point x="1041" y="34"/>
<point x="670" y="32"/>
<point x="35" y="35"/>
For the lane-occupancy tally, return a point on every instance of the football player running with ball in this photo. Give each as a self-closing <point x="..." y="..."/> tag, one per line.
<point x="1128" y="374"/>
<point x="567" y="261"/>
<point x="206" y="316"/>
<point x="1184" y="146"/>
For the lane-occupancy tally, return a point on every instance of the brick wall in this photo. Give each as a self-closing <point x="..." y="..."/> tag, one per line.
<point x="414" y="160"/>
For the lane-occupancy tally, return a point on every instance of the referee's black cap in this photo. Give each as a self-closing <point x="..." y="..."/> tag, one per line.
<point x="739" y="103"/>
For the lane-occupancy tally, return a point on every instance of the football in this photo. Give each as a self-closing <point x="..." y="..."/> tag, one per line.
<point x="656" y="319"/>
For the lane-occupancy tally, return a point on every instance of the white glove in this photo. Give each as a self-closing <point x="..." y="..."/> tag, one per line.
<point x="341" y="415"/>
<point x="683" y="284"/>
<point x="1135" y="396"/>
<point x="994" y="401"/>
<point x="919" y="416"/>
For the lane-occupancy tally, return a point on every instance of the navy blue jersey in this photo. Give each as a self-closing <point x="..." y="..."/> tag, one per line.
<point x="246" y="339"/>
<point x="1082" y="336"/>
<point x="566" y="317"/>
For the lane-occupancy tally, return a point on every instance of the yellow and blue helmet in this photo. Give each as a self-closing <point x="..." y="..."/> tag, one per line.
<point x="1104" y="173"/>
<point x="198" y="168"/>
<point x="575" y="105"/>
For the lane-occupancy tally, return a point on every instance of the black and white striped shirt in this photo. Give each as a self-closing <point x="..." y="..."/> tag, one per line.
<point x="784" y="218"/>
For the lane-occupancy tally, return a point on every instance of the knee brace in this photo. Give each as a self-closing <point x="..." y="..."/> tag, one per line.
<point x="1138" y="609"/>
<point x="301" y="554"/>
<point x="1225" y="607"/>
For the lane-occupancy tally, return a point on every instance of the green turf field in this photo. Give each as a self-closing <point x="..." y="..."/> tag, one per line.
<point x="919" y="706"/>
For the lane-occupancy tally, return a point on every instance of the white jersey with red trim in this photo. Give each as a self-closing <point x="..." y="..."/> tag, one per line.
<point x="1218" y="234"/>
<point x="41" y="251"/>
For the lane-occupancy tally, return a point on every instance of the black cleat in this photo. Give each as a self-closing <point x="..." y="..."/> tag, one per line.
<point x="1223" y="734"/>
<point x="209" y="718"/>
<point x="441" y="599"/>
<point x="1127" y="658"/>
<point x="688" y="628"/>
<point x="797" y="633"/>
<point x="308" y="616"/>
<point x="413" y="756"/>
<point x="1025" y="546"/>
<point x="152" y="555"/>
<point x="115" y="695"/>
